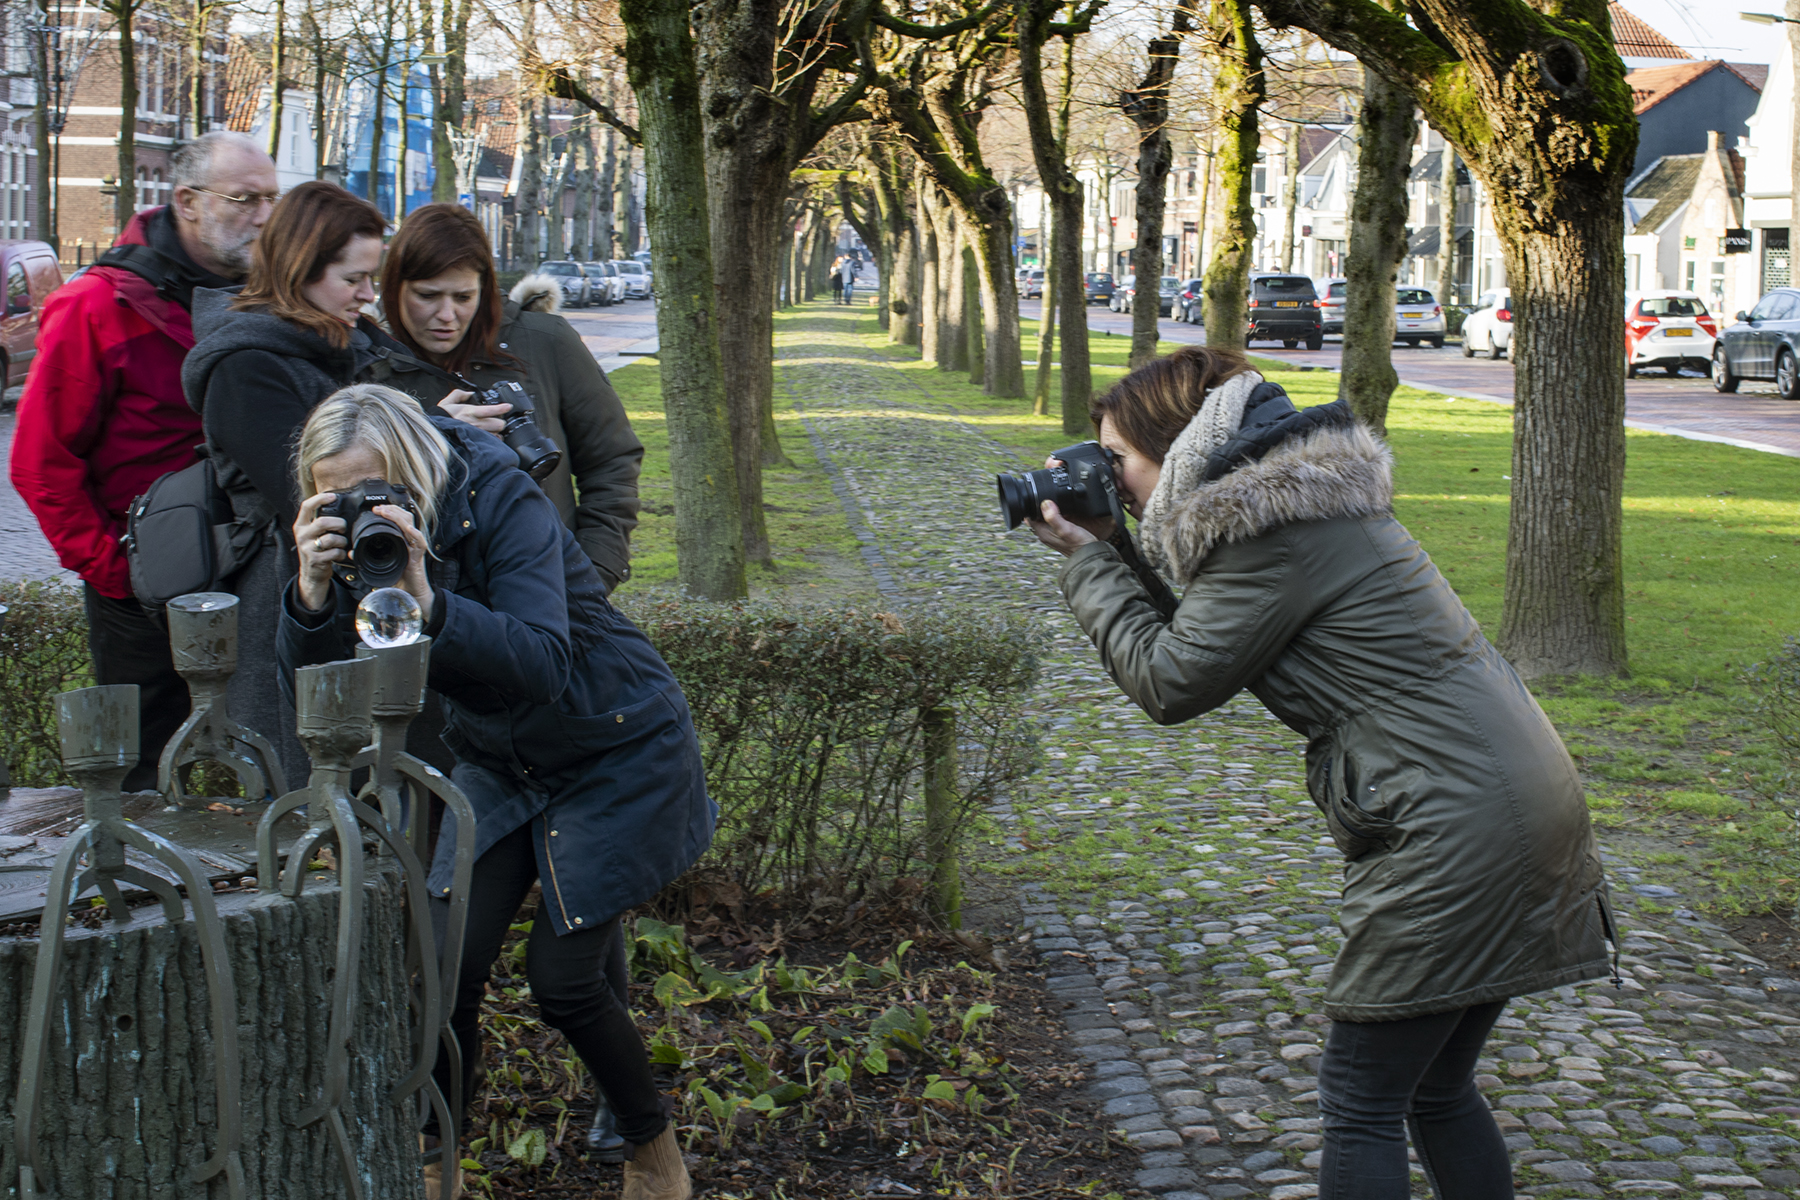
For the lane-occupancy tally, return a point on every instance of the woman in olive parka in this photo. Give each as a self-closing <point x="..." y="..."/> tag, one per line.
<point x="1471" y="871"/>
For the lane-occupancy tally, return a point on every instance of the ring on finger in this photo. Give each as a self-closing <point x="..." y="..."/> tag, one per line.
<point x="319" y="545"/>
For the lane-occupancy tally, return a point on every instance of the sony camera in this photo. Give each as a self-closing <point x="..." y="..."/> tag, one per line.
<point x="538" y="455"/>
<point x="378" y="553"/>
<point x="1083" y="487"/>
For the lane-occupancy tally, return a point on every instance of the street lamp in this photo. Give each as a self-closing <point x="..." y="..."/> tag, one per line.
<point x="1764" y="18"/>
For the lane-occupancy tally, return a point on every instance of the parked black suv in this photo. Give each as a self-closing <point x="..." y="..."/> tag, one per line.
<point x="1285" y="308"/>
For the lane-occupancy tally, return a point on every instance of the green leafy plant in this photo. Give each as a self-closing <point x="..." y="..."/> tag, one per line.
<point x="43" y="651"/>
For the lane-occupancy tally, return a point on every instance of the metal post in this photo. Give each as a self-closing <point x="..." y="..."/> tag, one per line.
<point x="203" y="642"/>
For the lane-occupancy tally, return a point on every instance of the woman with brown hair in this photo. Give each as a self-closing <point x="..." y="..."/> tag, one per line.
<point x="1470" y="871"/>
<point x="441" y="302"/>
<point x="263" y="360"/>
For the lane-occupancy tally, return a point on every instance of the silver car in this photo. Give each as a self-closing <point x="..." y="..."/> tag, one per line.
<point x="609" y="286"/>
<point x="637" y="279"/>
<point x="1418" y="317"/>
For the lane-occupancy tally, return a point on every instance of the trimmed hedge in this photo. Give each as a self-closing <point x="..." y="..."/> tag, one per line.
<point x="43" y="651"/>
<point x="812" y="723"/>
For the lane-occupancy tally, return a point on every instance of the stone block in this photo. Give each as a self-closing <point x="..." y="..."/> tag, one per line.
<point x="1566" y="1171"/>
<point x="1161" y="1179"/>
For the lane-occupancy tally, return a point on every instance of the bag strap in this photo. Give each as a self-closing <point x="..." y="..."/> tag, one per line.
<point x="430" y="368"/>
<point x="172" y="280"/>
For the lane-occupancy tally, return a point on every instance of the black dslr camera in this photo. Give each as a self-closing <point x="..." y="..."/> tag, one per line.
<point x="378" y="553"/>
<point x="538" y="455"/>
<point x="1083" y="487"/>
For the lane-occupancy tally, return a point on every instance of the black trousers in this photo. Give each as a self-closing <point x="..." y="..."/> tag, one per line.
<point x="1381" y="1080"/>
<point x="578" y="981"/>
<point x="128" y="647"/>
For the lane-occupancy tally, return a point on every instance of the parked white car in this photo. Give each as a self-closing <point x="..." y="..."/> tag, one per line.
<point x="1418" y="317"/>
<point x="603" y="274"/>
<point x="637" y="279"/>
<point x="1668" y="329"/>
<point x="1489" y="327"/>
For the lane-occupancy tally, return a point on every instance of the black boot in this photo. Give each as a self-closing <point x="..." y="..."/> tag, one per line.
<point x="604" y="1143"/>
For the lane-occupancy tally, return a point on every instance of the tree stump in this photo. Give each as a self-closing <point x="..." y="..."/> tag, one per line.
<point x="131" y="1021"/>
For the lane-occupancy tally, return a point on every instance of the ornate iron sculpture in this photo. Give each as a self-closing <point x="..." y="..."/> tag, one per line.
<point x="203" y="640"/>
<point x="99" y="728"/>
<point x="340" y="704"/>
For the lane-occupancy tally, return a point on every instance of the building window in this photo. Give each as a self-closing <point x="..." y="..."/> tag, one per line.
<point x="1687" y="274"/>
<point x="1687" y="243"/>
<point x="1716" y="282"/>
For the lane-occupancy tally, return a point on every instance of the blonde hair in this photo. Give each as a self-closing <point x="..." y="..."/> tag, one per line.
<point x="389" y="422"/>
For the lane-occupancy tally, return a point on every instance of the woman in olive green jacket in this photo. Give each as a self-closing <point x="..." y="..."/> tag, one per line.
<point x="440" y="300"/>
<point x="1471" y="871"/>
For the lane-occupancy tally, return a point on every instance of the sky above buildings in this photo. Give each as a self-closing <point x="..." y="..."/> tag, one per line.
<point x="1711" y="28"/>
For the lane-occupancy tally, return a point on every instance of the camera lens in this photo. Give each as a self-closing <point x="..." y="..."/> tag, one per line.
<point x="1018" y="498"/>
<point x="378" y="549"/>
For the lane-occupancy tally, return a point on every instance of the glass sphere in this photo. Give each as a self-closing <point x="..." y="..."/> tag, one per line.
<point x="389" y="617"/>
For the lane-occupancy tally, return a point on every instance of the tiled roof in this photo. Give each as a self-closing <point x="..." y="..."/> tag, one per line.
<point x="246" y="75"/>
<point x="1314" y="141"/>
<point x="1634" y="38"/>
<point x="1665" y="186"/>
<point x="1754" y="74"/>
<point x="1650" y="86"/>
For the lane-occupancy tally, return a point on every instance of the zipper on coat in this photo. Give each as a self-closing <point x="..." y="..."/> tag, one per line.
<point x="550" y="857"/>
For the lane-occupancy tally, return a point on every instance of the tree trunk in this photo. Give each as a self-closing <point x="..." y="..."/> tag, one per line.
<point x="953" y="340"/>
<point x="447" y="116"/>
<point x="125" y="202"/>
<point x="930" y="295"/>
<point x="315" y="38"/>
<point x="1538" y="105"/>
<point x="1238" y="89"/>
<point x="1385" y="131"/>
<point x="378" y="128"/>
<point x="556" y="180"/>
<point x="903" y="288"/>
<point x="1148" y="108"/>
<point x="628" y="204"/>
<point x="971" y="285"/>
<point x="603" y="196"/>
<point x="1046" y="353"/>
<point x="1291" y="197"/>
<point x="196" y="31"/>
<point x="582" y="155"/>
<point x="128" y="1102"/>
<point x="277" y="67"/>
<point x="1447" y="219"/>
<point x="1065" y="294"/>
<point x="659" y="53"/>
<point x="529" y="198"/>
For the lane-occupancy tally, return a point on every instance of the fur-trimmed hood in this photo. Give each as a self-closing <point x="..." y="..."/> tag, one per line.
<point x="1337" y="471"/>
<point x="537" y="293"/>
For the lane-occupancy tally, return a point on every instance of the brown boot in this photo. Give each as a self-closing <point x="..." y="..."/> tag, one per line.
<point x="656" y="1171"/>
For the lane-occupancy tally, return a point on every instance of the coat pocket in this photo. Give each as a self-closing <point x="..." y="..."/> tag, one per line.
<point x="1356" y="831"/>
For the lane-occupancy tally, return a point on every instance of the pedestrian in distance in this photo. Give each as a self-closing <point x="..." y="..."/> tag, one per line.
<point x="103" y="414"/>
<point x="572" y="739"/>
<point x="440" y="299"/>
<point x="837" y="281"/>
<point x="1471" y="871"/>
<point x="265" y="358"/>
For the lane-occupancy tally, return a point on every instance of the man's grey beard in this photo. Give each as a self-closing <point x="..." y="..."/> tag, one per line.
<point x="233" y="256"/>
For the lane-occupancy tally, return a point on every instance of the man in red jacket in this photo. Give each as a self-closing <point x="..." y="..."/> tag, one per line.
<point x="103" y="414"/>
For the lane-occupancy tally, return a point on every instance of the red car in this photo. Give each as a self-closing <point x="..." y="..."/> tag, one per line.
<point x="31" y="273"/>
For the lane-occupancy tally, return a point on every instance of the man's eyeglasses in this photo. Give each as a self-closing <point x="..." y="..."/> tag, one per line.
<point x="247" y="200"/>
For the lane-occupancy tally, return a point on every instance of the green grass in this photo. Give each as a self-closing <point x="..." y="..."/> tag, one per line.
<point x="807" y="526"/>
<point x="1712" y="580"/>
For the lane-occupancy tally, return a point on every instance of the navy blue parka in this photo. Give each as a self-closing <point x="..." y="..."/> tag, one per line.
<point x="559" y="711"/>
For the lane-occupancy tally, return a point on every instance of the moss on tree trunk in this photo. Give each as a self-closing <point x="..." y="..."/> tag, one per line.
<point x="1385" y="132"/>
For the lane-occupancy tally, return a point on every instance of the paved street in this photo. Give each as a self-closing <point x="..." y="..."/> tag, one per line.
<point x="1686" y="406"/>
<point x="1180" y="890"/>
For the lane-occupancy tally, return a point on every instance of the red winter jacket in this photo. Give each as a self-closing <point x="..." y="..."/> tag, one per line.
<point x="103" y="414"/>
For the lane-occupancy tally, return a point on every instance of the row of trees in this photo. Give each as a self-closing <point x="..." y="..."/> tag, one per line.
<point x="1530" y="92"/>
<point x="760" y="122"/>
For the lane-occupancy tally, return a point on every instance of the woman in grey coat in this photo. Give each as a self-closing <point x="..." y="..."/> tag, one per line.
<point x="1471" y="873"/>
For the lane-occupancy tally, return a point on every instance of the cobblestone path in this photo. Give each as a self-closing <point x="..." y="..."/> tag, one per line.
<point x="1181" y="891"/>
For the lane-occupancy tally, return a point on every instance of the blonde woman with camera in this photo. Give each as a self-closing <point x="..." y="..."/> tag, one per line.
<point x="571" y="737"/>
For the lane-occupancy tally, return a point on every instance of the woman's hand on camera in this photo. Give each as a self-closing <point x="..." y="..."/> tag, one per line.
<point x="414" y="581"/>
<point x="1063" y="535"/>
<point x="481" y="416"/>
<point x="321" y="542"/>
